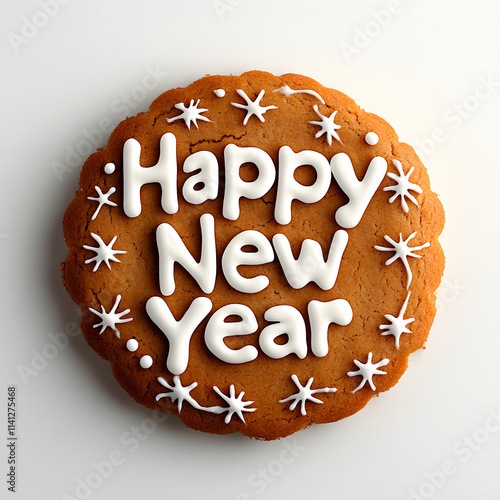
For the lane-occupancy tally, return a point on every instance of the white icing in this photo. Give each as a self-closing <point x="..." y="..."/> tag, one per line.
<point x="289" y="189"/>
<point x="321" y="316"/>
<point x="252" y="107"/>
<point x="181" y="393"/>
<point x="102" y="199"/>
<point x="112" y="318"/>
<point x="178" y="393"/>
<point x="328" y="126"/>
<point x="286" y="90"/>
<point x="367" y="371"/>
<point x="178" y="333"/>
<point x="236" y="404"/>
<point x="109" y="168"/>
<point x="359" y="193"/>
<point x="146" y="362"/>
<point x="208" y="177"/>
<point x="190" y="114"/>
<point x="287" y="321"/>
<point x="132" y="345"/>
<point x="103" y="253"/>
<point x="304" y="394"/>
<point x="234" y="256"/>
<point x="217" y="329"/>
<point x="171" y="250"/>
<point x="163" y="173"/>
<point x="310" y="265"/>
<point x="371" y="138"/>
<point x="397" y="325"/>
<point x="402" y="251"/>
<point x="236" y="188"/>
<point x="403" y="186"/>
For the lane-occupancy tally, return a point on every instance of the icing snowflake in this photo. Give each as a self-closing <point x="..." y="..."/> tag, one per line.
<point x="178" y="393"/>
<point x="367" y="371"/>
<point x="402" y="251"/>
<point x="103" y="253"/>
<point x="236" y="404"/>
<point x="181" y="393"/>
<point x="112" y="318"/>
<point x="190" y="114"/>
<point x="398" y="324"/>
<point x="102" y="199"/>
<point x="305" y="394"/>
<point x="403" y="186"/>
<point x="252" y="107"/>
<point x="328" y="126"/>
<point x="287" y="91"/>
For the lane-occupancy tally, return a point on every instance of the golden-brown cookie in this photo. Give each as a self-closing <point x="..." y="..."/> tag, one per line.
<point x="255" y="254"/>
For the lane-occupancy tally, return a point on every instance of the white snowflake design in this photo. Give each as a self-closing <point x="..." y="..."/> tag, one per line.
<point x="304" y="394"/>
<point x="367" y="371"/>
<point x="403" y="186"/>
<point x="178" y="393"/>
<point x="112" y="318"/>
<point x="398" y="324"/>
<point x="402" y="251"/>
<point x="103" y="253"/>
<point x="236" y="404"/>
<point x="181" y="393"/>
<point x="328" y="126"/>
<point x="252" y="107"/>
<point x="190" y="114"/>
<point x="102" y="199"/>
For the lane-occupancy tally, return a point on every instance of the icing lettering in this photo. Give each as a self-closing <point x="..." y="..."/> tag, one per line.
<point x="283" y="319"/>
<point x="178" y="333"/>
<point x="234" y="256"/>
<point x="208" y="177"/>
<point x="286" y="321"/>
<point x="218" y="329"/>
<point x="171" y="249"/>
<point x="310" y="266"/>
<point x="359" y="192"/>
<point x="289" y="189"/>
<point x="236" y="188"/>
<point x="321" y="316"/>
<point x="163" y="173"/>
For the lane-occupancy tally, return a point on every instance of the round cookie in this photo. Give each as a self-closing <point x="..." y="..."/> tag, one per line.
<point x="254" y="254"/>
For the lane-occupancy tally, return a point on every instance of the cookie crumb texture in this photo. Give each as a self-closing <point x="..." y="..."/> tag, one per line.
<point x="254" y="254"/>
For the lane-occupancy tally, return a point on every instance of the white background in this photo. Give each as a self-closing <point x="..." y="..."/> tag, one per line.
<point x="431" y="69"/>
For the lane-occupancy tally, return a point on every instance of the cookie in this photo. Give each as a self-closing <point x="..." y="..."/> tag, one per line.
<point x="254" y="254"/>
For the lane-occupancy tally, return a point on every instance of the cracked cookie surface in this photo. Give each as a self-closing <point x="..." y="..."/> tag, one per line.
<point x="311" y="372"/>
